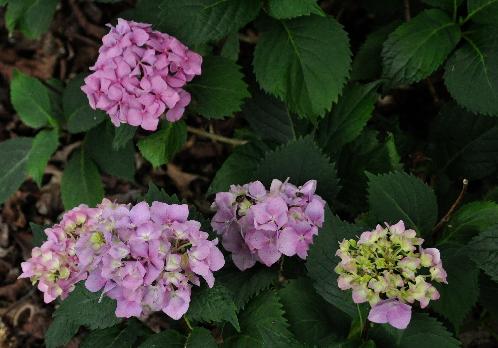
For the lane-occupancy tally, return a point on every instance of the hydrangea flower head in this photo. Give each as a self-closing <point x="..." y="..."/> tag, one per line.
<point x="257" y="225"/>
<point x="145" y="257"/>
<point x="388" y="268"/>
<point x="140" y="74"/>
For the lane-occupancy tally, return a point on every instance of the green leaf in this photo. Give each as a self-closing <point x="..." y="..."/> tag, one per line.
<point x="160" y="147"/>
<point x="263" y="313"/>
<point x="367" y="63"/>
<point x="14" y="154"/>
<point x="122" y="136"/>
<point x="269" y="118"/>
<point x="214" y="305"/>
<point x="322" y="261"/>
<point x="469" y="220"/>
<point x="300" y="160"/>
<point x="200" y="338"/>
<point x="220" y="90"/>
<point x="44" y="145"/>
<point x="487" y="297"/>
<point x="164" y="339"/>
<point x="231" y="47"/>
<point x="79" y="115"/>
<point x="37" y="17"/>
<point x="159" y="195"/>
<point x="471" y="74"/>
<point x="205" y="20"/>
<point x="348" y="117"/>
<point x="238" y="168"/>
<point x="464" y="145"/>
<point x="283" y="9"/>
<point x="463" y="273"/>
<point x="417" y="48"/>
<point x="448" y="5"/>
<point x="245" y="285"/>
<point x="306" y="311"/>
<point x="14" y="13"/>
<point x="39" y="235"/>
<point x="292" y="61"/>
<point x="483" y="11"/>
<point x="119" y="336"/>
<point x="400" y="196"/>
<point x="423" y="331"/>
<point x="81" y="182"/>
<point x="81" y="308"/>
<point x="31" y="100"/>
<point x="98" y="146"/>
<point x="483" y="249"/>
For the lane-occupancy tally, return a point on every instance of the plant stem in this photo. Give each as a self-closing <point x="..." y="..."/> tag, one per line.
<point x="188" y="323"/>
<point x="406" y="6"/>
<point x="454" y="206"/>
<point x="216" y="137"/>
<point x="361" y="320"/>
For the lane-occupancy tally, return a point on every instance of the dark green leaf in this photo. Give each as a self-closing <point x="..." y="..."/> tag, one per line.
<point x="300" y="160"/>
<point x="448" y="5"/>
<point x="31" y="100"/>
<point x="417" y="48"/>
<point x="220" y="90"/>
<point x="122" y="136"/>
<point x="483" y="249"/>
<point x="200" y="338"/>
<point x="292" y="62"/>
<point x="79" y="116"/>
<point x="483" y="11"/>
<point x="283" y="9"/>
<point x="214" y="305"/>
<point x="44" y="145"/>
<point x="159" y="195"/>
<point x="164" y="339"/>
<point x="472" y="71"/>
<point x="487" y="297"/>
<point x="231" y="47"/>
<point x="160" y="147"/>
<point x="322" y="261"/>
<point x="348" y="117"/>
<point x="81" y="182"/>
<point x="99" y="147"/>
<point x="14" y="154"/>
<point x="269" y="118"/>
<point x="39" y="235"/>
<point x="37" y="17"/>
<point x="119" y="336"/>
<point x="400" y="196"/>
<point x="14" y="13"/>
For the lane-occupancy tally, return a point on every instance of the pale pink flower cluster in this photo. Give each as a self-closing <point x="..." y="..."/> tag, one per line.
<point x="145" y="257"/>
<point x="388" y="268"/>
<point x="139" y="75"/>
<point x="260" y="225"/>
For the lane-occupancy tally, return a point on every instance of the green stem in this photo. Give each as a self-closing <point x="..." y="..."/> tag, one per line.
<point x="188" y="323"/>
<point x="361" y="320"/>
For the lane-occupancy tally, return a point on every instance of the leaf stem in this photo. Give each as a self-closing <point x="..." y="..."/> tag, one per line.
<point x="361" y="320"/>
<point x="454" y="206"/>
<point x="216" y="137"/>
<point x="187" y="321"/>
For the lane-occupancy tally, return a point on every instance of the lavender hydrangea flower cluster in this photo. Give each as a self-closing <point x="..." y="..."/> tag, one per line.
<point x="260" y="225"/>
<point x="145" y="257"/>
<point x="389" y="268"/>
<point x="139" y="74"/>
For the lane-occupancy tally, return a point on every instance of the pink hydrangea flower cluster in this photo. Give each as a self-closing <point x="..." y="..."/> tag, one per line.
<point x="145" y="257"/>
<point x="139" y="74"/>
<point x="388" y="268"/>
<point x="260" y="225"/>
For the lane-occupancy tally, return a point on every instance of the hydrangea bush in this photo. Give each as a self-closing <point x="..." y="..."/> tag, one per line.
<point x="351" y="200"/>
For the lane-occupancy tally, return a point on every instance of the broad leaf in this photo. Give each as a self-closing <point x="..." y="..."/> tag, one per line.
<point x="293" y="59"/>
<point x="483" y="11"/>
<point x="214" y="305"/>
<point x="464" y="145"/>
<point x="322" y="261"/>
<point x="483" y="249"/>
<point x="200" y="338"/>
<point x="14" y="154"/>
<point x="463" y="280"/>
<point x="205" y="20"/>
<point x="122" y="136"/>
<point x="81" y="182"/>
<point x="156" y="194"/>
<point x="39" y="235"/>
<point x="164" y="339"/>
<point x="400" y="196"/>
<point x="220" y="90"/>
<point x="448" y="5"/>
<point x="37" y="17"/>
<point x="31" y="100"/>
<point x="487" y="296"/>
<point x="14" y="13"/>
<point x="282" y="9"/>
<point x="469" y="220"/>
<point x="160" y="147"/>
<point x="99" y="147"/>
<point x="119" y="336"/>
<point x="44" y="145"/>
<point x="231" y="47"/>
<point x="269" y="118"/>
<point x="472" y="71"/>
<point x="79" y="116"/>
<point x="417" y="48"/>
<point x="348" y="117"/>
<point x="300" y="160"/>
